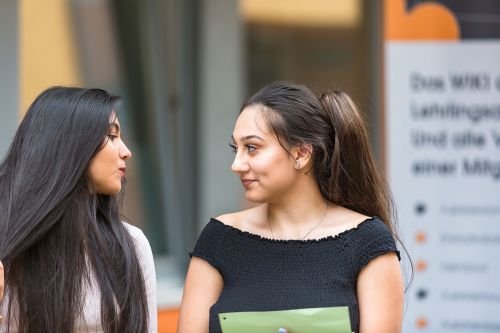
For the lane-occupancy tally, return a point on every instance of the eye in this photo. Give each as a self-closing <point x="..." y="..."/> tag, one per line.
<point x="112" y="136"/>
<point x="233" y="148"/>
<point x="251" y="148"/>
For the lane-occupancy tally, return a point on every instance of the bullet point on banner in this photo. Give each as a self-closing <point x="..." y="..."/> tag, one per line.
<point x="422" y="323"/>
<point x="422" y="293"/>
<point x="420" y="237"/>
<point x="421" y="265"/>
<point x="420" y="208"/>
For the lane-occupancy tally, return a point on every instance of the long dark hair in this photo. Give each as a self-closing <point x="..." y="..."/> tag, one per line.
<point x="55" y="233"/>
<point x="342" y="162"/>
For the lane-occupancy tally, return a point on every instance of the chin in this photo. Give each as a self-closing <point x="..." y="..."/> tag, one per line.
<point x="111" y="191"/>
<point x="255" y="197"/>
<point x="116" y="191"/>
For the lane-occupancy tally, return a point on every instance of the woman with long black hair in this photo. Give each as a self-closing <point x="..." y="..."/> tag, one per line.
<point x="71" y="264"/>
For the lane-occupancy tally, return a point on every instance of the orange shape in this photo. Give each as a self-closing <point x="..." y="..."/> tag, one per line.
<point x="425" y="21"/>
<point x="421" y="323"/>
<point x="420" y="237"/>
<point x="167" y="320"/>
<point x="421" y="265"/>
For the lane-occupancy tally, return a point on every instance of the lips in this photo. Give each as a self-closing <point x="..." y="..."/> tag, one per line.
<point x="247" y="182"/>
<point x="122" y="171"/>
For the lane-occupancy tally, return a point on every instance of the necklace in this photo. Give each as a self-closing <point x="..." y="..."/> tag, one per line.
<point x="307" y="234"/>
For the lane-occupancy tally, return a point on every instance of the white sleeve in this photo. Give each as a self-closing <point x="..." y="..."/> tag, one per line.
<point x="145" y="257"/>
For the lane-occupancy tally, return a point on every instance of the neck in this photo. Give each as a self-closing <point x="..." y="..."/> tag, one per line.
<point x="294" y="215"/>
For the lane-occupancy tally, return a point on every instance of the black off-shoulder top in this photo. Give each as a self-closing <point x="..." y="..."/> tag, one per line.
<point x="262" y="274"/>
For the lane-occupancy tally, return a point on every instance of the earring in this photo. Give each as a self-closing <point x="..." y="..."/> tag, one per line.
<point x="297" y="164"/>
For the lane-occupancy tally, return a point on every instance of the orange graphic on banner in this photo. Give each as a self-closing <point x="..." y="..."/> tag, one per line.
<point x="420" y="237"/>
<point x="421" y="266"/>
<point x="421" y="323"/>
<point x="425" y="21"/>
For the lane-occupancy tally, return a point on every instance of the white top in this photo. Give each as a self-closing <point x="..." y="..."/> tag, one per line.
<point x="90" y="320"/>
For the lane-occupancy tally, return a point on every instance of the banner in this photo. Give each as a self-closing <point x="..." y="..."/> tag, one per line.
<point x="442" y="125"/>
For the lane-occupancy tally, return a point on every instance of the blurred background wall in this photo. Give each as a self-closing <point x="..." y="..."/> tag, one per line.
<point x="9" y="83"/>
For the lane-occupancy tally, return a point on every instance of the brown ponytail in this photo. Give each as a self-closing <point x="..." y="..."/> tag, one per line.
<point x="354" y="180"/>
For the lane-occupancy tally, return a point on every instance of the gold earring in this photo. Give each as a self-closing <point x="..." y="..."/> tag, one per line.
<point x="297" y="164"/>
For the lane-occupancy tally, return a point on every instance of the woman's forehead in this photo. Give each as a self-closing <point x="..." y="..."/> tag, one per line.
<point x="251" y="121"/>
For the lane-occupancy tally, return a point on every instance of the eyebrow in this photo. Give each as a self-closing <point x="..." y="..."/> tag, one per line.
<point x="248" y="137"/>
<point x="114" y="126"/>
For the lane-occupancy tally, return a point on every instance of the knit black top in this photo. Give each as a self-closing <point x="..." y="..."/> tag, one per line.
<point x="262" y="274"/>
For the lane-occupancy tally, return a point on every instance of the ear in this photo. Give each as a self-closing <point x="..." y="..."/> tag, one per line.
<point x="302" y="155"/>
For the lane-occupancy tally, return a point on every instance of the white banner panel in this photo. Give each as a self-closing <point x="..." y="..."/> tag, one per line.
<point x="443" y="151"/>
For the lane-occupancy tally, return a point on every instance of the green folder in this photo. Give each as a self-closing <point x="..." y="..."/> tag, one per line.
<point x="311" y="320"/>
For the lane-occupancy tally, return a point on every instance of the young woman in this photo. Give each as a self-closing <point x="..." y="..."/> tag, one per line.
<point x="71" y="264"/>
<point x="321" y="234"/>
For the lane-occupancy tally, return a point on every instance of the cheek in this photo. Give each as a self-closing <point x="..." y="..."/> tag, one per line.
<point x="94" y="168"/>
<point x="99" y="164"/>
<point x="97" y="172"/>
<point x="102" y="171"/>
<point x="274" y="168"/>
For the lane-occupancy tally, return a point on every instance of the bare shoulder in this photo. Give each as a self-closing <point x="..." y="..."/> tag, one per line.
<point x="348" y="216"/>
<point x="247" y="219"/>
<point x="342" y="219"/>
<point x="230" y="218"/>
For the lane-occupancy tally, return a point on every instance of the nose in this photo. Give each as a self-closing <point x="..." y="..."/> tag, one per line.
<point x="125" y="153"/>
<point x="239" y="164"/>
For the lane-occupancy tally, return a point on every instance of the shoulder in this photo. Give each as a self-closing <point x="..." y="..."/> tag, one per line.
<point x="374" y="238"/>
<point x="143" y="249"/>
<point x="215" y="232"/>
<point x="248" y="219"/>
<point x="344" y="219"/>
<point x="375" y="226"/>
<point x="216" y="235"/>
<point x="135" y="232"/>
<point x="140" y="241"/>
<point x="341" y="220"/>
<point x="370" y="231"/>
<point x="352" y="219"/>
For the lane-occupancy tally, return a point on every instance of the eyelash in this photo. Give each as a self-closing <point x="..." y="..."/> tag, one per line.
<point x="250" y="148"/>
<point x="112" y="136"/>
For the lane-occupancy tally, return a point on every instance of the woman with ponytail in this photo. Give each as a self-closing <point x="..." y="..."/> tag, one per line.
<point x="321" y="234"/>
<point x="71" y="264"/>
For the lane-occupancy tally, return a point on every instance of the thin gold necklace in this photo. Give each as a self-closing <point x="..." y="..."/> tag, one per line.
<point x="307" y="234"/>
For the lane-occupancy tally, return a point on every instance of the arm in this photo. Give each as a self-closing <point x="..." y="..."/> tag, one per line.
<point x="149" y="274"/>
<point x="146" y="261"/>
<point x="380" y="295"/>
<point x="201" y="290"/>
